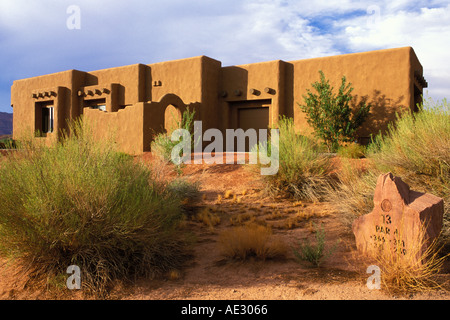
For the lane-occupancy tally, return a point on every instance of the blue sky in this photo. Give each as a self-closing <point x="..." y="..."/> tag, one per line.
<point x="35" y="39"/>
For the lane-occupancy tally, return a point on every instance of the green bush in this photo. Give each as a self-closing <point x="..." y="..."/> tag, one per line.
<point x="303" y="168"/>
<point x="314" y="253"/>
<point x="7" y="143"/>
<point x="330" y="114"/>
<point x="162" y="145"/>
<point x="352" y="150"/>
<point x="83" y="203"/>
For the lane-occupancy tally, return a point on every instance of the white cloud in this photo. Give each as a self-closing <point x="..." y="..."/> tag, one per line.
<point x="426" y="30"/>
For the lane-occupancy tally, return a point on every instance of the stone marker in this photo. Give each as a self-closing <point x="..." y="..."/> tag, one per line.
<point x="397" y="218"/>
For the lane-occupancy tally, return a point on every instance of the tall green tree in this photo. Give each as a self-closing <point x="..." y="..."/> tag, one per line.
<point x="331" y="115"/>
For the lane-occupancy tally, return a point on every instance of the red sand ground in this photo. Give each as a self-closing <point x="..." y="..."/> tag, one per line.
<point x="209" y="276"/>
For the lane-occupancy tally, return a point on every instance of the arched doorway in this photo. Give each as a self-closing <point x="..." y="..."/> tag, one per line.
<point x="172" y="118"/>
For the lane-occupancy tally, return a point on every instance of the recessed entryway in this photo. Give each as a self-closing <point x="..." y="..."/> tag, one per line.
<point x="253" y="114"/>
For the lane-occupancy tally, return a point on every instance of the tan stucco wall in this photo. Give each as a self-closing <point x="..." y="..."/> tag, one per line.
<point x="24" y="104"/>
<point x="132" y="78"/>
<point x="180" y="77"/>
<point x="126" y="127"/>
<point x="194" y="80"/>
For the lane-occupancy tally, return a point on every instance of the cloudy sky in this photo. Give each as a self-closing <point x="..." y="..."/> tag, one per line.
<point x="44" y="36"/>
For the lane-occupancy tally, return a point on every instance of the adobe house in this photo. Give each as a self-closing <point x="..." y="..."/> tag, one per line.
<point x="138" y="101"/>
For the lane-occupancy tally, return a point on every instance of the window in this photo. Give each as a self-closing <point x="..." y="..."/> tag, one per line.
<point x="417" y="98"/>
<point x="99" y="104"/>
<point x="47" y="120"/>
<point x="100" y="107"/>
<point x="44" y="117"/>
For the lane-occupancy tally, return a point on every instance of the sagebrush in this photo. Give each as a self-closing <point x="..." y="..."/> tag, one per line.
<point x="303" y="168"/>
<point x="80" y="202"/>
<point x="416" y="148"/>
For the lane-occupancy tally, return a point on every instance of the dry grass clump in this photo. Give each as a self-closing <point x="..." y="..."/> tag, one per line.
<point x="297" y="219"/>
<point x="207" y="217"/>
<point x="243" y="218"/>
<point x="352" y="195"/>
<point x="412" y="270"/>
<point x="251" y="240"/>
<point x="174" y="275"/>
<point x="228" y="194"/>
<point x="276" y="215"/>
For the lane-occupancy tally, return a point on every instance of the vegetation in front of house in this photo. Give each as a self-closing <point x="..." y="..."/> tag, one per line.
<point x="416" y="148"/>
<point x="303" y="168"/>
<point x="83" y="203"/>
<point x="330" y="114"/>
<point x="162" y="145"/>
<point x="352" y="150"/>
<point x="117" y="219"/>
<point x="7" y="143"/>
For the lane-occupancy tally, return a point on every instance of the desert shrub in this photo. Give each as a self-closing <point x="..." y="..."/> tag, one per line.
<point x="417" y="149"/>
<point x="314" y="253"/>
<point x="163" y="145"/>
<point x="7" y="143"/>
<point x="330" y="114"/>
<point x="303" y="168"/>
<point x="418" y="143"/>
<point x="208" y="218"/>
<point x="251" y="240"/>
<point x="82" y="203"/>
<point x="352" y="150"/>
<point x="185" y="190"/>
